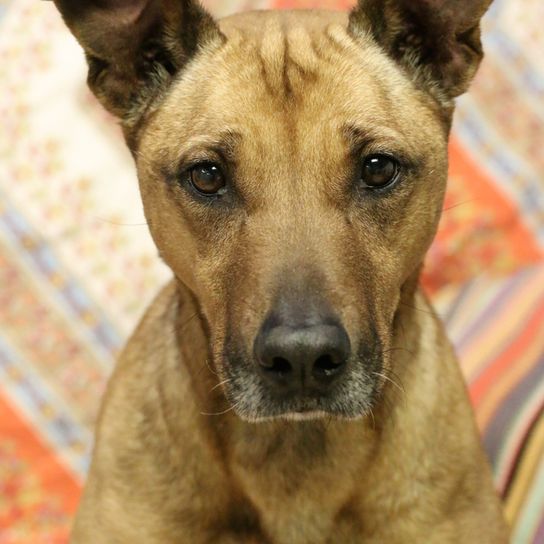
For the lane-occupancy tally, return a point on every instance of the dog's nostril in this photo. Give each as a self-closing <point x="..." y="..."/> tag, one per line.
<point x="325" y="366"/>
<point x="302" y="357"/>
<point x="280" y="366"/>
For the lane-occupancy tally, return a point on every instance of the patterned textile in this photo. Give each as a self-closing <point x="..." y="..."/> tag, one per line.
<point x="77" y="266"/>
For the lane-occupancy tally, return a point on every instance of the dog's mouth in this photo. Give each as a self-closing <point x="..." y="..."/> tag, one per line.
<point x="252" y="398"/>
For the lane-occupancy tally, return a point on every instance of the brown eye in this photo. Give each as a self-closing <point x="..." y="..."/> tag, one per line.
<point x="208" y="179"/>
<point x="379" y="171"/>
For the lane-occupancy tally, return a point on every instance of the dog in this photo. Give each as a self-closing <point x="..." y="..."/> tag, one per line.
<point x="292" y="384"/>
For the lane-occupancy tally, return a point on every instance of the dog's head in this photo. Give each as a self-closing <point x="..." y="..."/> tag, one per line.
<point x="292" y="168"/>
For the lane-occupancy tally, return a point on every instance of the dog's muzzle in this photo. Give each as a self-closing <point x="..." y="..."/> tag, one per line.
<point x="302" y="362"/>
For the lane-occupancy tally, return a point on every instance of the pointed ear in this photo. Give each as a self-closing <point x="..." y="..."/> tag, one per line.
<point x="436" y="41"/>
<point x="135" y="47"/>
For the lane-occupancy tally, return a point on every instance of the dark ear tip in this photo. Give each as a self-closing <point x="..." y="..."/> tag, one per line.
<point x="125" y="9"/>
<point x="436" y="41"/>
<point x="134" y="47"/>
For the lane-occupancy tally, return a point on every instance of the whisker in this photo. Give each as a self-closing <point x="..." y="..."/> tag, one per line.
<point x="458" y="204"/>
<point x="402" y="330"/>
<point x="119" y="224"/>
<point x="184" y="325"/>
<point x="389" y="409"/>
<point x="373" y="419"/>
<point x="221" y="413"/>
<point x="207" y="363"/>
<point x="394" y="375"/>
<point x="423" y="310"/>
<point x="220" y="384"/>
<point x="390" y="380"/>
<point x="398" y="348"/>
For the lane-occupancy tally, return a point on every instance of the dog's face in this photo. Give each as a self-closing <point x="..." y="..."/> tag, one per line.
<point x="293" y="179"/>
<point x="292" y="174"/>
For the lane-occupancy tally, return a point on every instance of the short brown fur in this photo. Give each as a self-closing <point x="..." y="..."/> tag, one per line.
<point x="191" y="448"/>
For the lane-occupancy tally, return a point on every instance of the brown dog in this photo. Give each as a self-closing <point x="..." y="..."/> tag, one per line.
<point x="291" y="385"/>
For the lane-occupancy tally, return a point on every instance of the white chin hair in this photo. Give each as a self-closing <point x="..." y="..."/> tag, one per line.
<point x="292" y="416"/>
<point x="304" y="416"/>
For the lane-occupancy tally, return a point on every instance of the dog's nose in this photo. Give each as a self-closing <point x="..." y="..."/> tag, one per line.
<point x="300" y="357"/>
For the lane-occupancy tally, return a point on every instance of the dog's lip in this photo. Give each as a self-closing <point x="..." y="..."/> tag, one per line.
<point x="305" y="415"/>
<point x="310" y="415"/>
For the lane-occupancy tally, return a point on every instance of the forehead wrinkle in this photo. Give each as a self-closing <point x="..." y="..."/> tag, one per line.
<point x="272" y="56"/>
<point x="288" y="60"/>
<point x="302" y="50"/>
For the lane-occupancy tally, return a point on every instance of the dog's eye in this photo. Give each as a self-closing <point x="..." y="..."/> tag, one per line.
<point x="379" y="171"/>
<point x="207" y="179"/>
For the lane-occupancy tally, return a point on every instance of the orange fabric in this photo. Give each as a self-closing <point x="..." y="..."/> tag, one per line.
<point x="480" y="230"/>
<point x="37" y="495"/>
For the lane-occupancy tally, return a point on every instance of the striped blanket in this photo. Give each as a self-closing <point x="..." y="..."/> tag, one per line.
<point x="77" y="266"/>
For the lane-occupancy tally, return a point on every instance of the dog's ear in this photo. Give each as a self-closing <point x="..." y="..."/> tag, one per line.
<point x="135" y="47"/>
<point x="436" y="41"/>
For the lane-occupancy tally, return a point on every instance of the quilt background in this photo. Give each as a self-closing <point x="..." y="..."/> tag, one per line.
<point x="77" y="266"/>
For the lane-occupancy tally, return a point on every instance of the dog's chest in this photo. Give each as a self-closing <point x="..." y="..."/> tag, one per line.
<point x="300" y="497"/>
<point x="301" y="519"/>
<point x="295" y="522"/>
